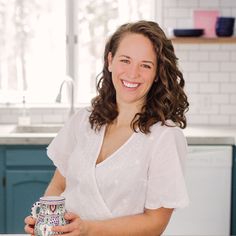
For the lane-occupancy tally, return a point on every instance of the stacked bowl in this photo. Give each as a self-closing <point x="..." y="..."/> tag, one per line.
<point x="225" y="26"/>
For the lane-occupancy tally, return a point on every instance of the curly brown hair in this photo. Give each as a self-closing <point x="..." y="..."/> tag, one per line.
<point x="166" y="98"/>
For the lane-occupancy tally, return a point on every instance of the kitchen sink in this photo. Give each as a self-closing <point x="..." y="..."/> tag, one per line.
<point x="37" y="128"/>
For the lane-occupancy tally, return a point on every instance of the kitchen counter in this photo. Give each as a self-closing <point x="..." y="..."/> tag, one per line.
<point x="211" y="135"/>
<point x="198" y="135"/>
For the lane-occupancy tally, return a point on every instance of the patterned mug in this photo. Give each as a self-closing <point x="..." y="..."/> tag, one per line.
<point x="49" y="211"/>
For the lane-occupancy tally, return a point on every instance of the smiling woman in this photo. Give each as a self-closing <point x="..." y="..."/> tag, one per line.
<point x="120" y="161"/>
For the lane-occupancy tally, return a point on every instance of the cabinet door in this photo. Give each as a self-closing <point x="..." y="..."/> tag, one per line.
<point x="233" y="202"/>
<point x="23" y="188"/>
<point x="2" y="191"/>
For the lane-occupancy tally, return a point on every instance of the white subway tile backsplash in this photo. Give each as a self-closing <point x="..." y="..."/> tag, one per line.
<point x="220" y="98"/>
<point x="226" y="11"/>
<point x="219" y="56"/>
<point x="210" y="109"/>
<point x="208" y="3"/>
<point x="182" y="55"/>
<point x="227" y="3"/>
<point x="228" y="109"/>
<point x="228" y="66"/>
<point x="170" y="3"/>
<point x="179" y="13"/>
<point x="222" y="77"/>
<point x="219" y="119"/>
<point x="232" y="120"/>
<point x="197" y="77"/>
<point x="189" y="3"/>
<point x="8" y="119"/>
<point x="233" y="77"/>
<point x="209" y="47"/>
<point x="192" y="88"/>
<point x="189" y="66"/>
<point x="169" y="23"/>
<point x="233" y="56"/>
<point x="209" y="66"/>
<point x="229" y="47"/>
<point x="228" y="88"/>
<point x="209" y="88"/>
<point x="197" y="119"/>
<point x="233" y="98"/>
<point x="183" y="23"/>
<point x="188" y="47"/>
<point x="198" y="56"/>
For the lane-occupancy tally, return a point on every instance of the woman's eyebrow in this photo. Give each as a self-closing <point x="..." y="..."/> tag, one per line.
<point x="125" y="56"/>
<point x="148" y="62"/>
<point x="145" y="61"/>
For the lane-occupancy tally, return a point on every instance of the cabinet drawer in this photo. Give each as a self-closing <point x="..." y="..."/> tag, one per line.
<point x="27" y="157"/>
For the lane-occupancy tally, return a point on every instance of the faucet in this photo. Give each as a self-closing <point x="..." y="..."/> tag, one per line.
<point x="70" y="83"/>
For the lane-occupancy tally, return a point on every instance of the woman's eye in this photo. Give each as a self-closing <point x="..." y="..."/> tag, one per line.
<point x="146" y="66"/>
<point x="125" y="61"/>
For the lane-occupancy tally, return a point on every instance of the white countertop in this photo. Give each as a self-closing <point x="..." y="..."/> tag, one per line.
<point x="210" y="135"/>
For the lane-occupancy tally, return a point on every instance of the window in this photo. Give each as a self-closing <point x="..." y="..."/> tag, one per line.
<point x="34" y="56"/>
<point x="32" y="49"/>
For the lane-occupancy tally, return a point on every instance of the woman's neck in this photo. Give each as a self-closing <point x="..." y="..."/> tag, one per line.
<point x="126" y="114"/>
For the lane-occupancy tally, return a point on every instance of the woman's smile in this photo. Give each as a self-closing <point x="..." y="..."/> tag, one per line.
<point x="130" y="85"/>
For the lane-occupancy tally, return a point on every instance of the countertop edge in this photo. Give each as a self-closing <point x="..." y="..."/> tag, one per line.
<point x="191" y="140"/>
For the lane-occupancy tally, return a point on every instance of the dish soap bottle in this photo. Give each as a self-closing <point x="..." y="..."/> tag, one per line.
<point x="24" y="118"/>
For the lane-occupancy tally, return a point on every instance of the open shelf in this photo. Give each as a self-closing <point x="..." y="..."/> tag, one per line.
<point x="197" y="40"/>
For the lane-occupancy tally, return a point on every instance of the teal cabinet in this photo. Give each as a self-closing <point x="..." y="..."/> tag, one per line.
<point x="25" y="176"/>
<point x="233" y="196"/>
<point x="2" y="192"/>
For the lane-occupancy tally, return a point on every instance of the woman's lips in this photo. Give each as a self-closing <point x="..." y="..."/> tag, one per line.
<point x="131" y="85"/>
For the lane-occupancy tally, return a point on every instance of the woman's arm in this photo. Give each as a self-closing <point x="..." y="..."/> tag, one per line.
<point x="57" y="185"/>
<point x="151" y="223"/>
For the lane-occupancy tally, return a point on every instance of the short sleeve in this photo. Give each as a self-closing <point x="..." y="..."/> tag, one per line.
<point x="166" y="183"/>
<point x="62" y="146"/>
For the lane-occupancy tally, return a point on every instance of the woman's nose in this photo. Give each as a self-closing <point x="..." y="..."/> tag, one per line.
<point x="133" y="71"/>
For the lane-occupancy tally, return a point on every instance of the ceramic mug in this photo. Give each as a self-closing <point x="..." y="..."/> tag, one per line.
<point x="48" y="211"/>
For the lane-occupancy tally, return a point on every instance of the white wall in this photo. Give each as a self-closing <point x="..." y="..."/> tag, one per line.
<point x="209" y="69"/>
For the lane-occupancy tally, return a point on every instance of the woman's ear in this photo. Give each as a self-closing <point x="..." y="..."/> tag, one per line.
<point x="109" y="58"/>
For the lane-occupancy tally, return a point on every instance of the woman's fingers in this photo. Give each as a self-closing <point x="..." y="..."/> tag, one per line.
<point x="72" y="226"/>
<point x="29" y="220"/>
<point x="29" y="227"/>
<point x="70" y="216"/>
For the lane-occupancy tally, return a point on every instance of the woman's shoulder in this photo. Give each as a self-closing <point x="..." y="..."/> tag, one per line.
<point x="168" y="136"/>
<point x="169" y="129"/>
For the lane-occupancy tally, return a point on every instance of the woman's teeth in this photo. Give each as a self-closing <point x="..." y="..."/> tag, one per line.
<point x="130" y="85"/>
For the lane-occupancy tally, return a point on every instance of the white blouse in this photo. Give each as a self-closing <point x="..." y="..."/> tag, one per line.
<point x="145" y="172"/>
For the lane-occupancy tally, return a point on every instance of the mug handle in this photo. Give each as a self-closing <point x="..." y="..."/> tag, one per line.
<point x="34" y="209"/>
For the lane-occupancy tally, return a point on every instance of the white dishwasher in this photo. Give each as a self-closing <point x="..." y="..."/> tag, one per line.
<point x="208" y="178"/>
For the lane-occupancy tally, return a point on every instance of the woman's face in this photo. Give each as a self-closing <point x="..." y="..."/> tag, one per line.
<point x="133" y="69"/>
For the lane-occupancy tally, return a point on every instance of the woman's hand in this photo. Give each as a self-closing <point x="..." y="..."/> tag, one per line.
<point x="76" y="226"/>
<point x="29" y="225"/>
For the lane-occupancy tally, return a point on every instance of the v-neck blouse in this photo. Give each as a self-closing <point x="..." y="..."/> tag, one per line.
<point x="145" y="172"/>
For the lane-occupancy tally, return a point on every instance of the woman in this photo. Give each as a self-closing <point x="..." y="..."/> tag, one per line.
<point x="120" y="163"/>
